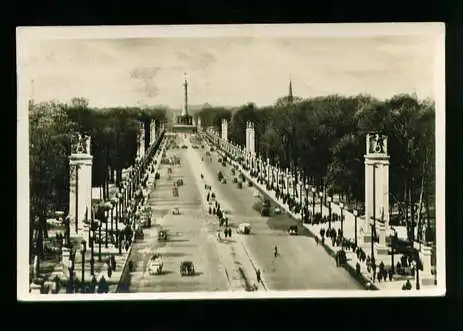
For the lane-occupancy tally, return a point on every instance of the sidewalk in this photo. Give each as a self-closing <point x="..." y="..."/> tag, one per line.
<point x="366" y="277"/>
<point x="100" y="267"/>
<point x="243" y="276"/>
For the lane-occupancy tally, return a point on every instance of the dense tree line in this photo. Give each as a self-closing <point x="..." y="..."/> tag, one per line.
<point x="54" y="127"/>
<point x="324" y="138"/>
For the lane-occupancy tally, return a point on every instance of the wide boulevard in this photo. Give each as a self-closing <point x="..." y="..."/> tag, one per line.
<point x="301" y="264"/>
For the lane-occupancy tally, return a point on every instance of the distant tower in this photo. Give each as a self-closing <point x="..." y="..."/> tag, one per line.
<point x="290" y="95"/>
<point x="185" y="119"/>
<point x="185" y="106"/>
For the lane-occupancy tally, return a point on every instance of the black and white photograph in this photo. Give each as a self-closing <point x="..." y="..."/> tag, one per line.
<point x="230" y="161"/>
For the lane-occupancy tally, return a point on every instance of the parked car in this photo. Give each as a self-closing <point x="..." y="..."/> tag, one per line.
<point x="184" y="146"/>
<point x="187" y="268"/>
<point x="292" y="230"/>
<point x="175" y="211"/>
<point x="277" y="211"/>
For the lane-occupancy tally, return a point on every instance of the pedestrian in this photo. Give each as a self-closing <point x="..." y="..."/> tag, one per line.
<point x="113" y="262"/>
<point x="225" y="232"/>
<point x="110" y="271"/>
<point x="229" y="232"/>
<point x="408" y="285"/>
<point x="316" y="240"/>
<point x="390" y="274"/>
<point x="93" y="284"/>
<point x="275" y="251"/>
<point x="258" y="275"/>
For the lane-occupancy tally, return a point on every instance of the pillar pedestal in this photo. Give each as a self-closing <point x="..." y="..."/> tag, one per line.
<point x="80" y="191"/>
<point x="426" y="275"/>
<point x="35" y="288"/>
<point x="381" y="249"/>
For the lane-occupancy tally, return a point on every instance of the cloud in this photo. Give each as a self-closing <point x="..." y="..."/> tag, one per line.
<point x="145" y="80"/>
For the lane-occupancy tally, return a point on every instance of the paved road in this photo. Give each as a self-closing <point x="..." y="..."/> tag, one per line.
<point x="191" y="237"/>
<point x="302" y="265"/>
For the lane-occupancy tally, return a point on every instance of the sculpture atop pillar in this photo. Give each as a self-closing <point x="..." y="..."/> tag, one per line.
<point x="82" y="145"/>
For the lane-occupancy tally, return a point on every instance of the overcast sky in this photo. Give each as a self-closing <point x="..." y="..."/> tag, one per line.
<point x="227" y="71"/>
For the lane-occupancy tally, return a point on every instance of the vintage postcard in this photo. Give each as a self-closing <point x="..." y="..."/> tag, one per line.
<point x="235" y="161"/>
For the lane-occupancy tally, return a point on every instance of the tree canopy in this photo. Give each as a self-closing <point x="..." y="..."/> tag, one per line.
<point x="325" y="138"/>
<point x="55" y="126"/>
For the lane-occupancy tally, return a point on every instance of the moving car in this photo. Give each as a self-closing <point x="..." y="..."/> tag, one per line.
<point x="187" y="268"/>
<point x="162" y="235"/>
<point x="292" y="230"/>
<point x="155" y="265"/>
<point x="265" y="208"/>
<point x="244" y="228"/>
<point x="184" y="146"/>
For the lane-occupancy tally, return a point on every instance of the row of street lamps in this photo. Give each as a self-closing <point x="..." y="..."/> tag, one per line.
<point x="263" y="175"/>
<point x="329" y="199"/>
<point x="122" y="205"/>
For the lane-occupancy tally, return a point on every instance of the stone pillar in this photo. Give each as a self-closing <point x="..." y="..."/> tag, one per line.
<point x="152" y="132"/>
<point x="80" y="186"/>
<point x="141" y="138"/>
<point x="376" y="184"/>
<point x="250" y="138"/>
<point x="224" y="130"/>
<point x="426" y="275"/>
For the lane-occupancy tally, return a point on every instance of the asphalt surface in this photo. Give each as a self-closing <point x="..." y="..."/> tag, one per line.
<point x="191" y="237"/>
<point x="301" y="264"/>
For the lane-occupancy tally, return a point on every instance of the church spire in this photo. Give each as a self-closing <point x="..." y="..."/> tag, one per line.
<point x="290" y="95"/>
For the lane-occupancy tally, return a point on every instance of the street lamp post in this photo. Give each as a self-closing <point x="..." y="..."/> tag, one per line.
<point x="313" y="203"/>
<point x="83" y="249"/>
<point x="393" y="244"/>
<point x="355" y="221"/>
<point x="91" y="243"/>
<point x="113" y="203"/>
<point x="99" y="240"/>
<point x="329" y="212"/>
<point x="341" y="206"/>
<point x="320" y="194"/>
<point x="106" y="214"/>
